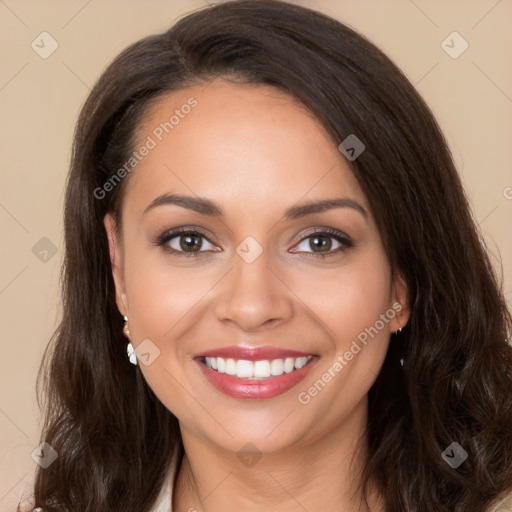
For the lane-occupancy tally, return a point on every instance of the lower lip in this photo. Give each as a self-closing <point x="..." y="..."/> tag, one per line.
<point x="255" y="389"/>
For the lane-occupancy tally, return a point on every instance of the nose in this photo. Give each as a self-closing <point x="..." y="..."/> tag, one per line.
<point x="253" y="296"/>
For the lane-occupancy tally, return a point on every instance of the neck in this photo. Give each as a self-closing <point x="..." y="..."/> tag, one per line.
<point x="316" y="474"/>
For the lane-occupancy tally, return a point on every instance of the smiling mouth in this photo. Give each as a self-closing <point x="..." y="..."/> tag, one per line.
<point x="256" y="370"/>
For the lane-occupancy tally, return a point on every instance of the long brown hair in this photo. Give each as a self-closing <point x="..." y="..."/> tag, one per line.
<point x="115" y="439"/>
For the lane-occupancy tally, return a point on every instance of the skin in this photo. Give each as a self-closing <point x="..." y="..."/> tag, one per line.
<point x="255" y="152"/>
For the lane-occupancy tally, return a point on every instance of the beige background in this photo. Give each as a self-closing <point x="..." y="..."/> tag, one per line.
<point x="40" y="99"/>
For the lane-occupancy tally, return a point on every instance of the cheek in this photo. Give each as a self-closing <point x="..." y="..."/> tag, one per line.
<point x="163" y="300"/>
<point x="349" y="300"/>
<point x="162" y="295"/>
<point x="354" y="306"/>
<point x="351" y="307"/>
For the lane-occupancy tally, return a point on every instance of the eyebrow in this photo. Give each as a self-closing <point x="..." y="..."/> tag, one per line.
<point x="207" y="207"/>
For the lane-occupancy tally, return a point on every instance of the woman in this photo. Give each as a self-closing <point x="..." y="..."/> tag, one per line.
<point x="263" y="217"/>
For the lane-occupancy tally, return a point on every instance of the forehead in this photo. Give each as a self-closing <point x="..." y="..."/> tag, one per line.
<point x="244" y="143"/>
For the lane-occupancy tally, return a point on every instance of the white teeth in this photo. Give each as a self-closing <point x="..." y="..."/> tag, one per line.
<point x="221" y="365"/>
<point x="289" y="364"/>
<point x="244" y="369"/>
<point x="263" y="369"/>
<point x="277" y="367"/>
<point x="230" y="367"/>
<point x="300" y="362"/>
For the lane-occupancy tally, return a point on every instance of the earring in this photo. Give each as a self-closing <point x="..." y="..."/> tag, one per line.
<point x="126" y="331"/>
<point x="129" y="348"/>
<point x="131" y="354"/>
<point x="398" y="331"/>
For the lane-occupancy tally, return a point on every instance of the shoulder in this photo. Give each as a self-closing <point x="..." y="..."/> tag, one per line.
<point x="163" y="503"/>
<point x="28" y="506"/>
<point x="503" y="503"/>
<point x="26" y="501"/>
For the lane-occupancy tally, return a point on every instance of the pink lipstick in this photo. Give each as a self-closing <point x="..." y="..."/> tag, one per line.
<point x="254" y="372"/>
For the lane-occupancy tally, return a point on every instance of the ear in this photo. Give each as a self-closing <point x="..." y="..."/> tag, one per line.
<point x="117" y="263"/>
<point x="400" y="303"/>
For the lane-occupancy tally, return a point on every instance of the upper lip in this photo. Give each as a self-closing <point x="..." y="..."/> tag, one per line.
<point x="253" y="353"/>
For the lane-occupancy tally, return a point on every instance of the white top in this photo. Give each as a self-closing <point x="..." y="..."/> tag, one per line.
<point x="164" y="500"/>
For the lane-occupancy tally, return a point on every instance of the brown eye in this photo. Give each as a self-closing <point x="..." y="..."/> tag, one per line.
<point x="321" y="242"/>
<point x="186" y="242"/>
<point x="190" y="242"/>
<point x="324" y="243"/>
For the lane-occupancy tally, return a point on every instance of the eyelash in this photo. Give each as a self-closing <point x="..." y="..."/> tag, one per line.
<point x="344" y="240"/>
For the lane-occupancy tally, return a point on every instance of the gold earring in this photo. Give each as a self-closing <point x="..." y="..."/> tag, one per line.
<point x="126" y="331"/>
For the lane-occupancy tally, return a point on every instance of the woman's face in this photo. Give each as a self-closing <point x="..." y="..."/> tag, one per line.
<point x="301" y="294"/>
